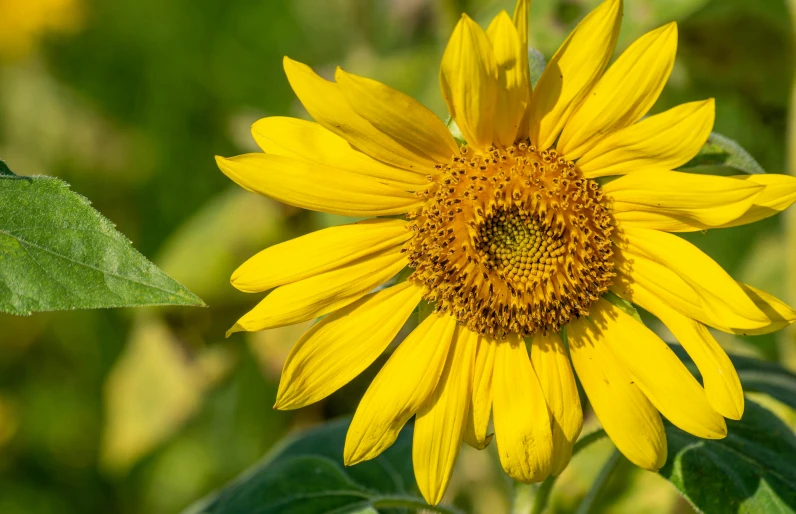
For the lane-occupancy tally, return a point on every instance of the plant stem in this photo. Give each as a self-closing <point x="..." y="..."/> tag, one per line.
<point x="410" y="503"/>
<point x="598" y="485"/>
<point x="523" y="499"/>
<point x="543" y="494"/>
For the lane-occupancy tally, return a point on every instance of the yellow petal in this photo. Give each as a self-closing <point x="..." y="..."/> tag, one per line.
<point x="343" y="344"/>
<point x="779" y="193"/>
<point x="624" y="94"/>
<point x="625" y="413"/>
<point x="779" y="314"/>
<point x="440" y="422"/>
<point x="482" y="392"/>
<point x="469" y="81"/>
<point x="707" y="200"/>
<point x="721" y="382"/>
<point x="551" y="363"/>
<point x="309" y="141"/>
<point x="639" y="277"/>
<point x="657" y="371"/>
<point x="522" y="421"/>
<point x="318" y="252"/>
<point x="645" y="281"/>
<point x="399" y="390"/>
<point x="399" y="116"/>
<point x="321" y="294"/>
<point x="661" y="142"/>
<point x="520" y="20"/>
<point x="573" y="70"/>
<point x="327" y="104"/>
<point x="314" y="187"/>
<point x="470" y="436"/>
<point x="722" y="300"/>
<point x="513" y="91"/>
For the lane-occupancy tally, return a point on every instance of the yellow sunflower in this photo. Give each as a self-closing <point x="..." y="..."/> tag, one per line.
<point x="515" y="244"/>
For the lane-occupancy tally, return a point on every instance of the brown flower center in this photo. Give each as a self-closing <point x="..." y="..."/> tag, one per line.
<point x="512" y="241"/>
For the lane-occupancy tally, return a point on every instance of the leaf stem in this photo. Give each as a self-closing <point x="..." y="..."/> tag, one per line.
<point x="599" y="483"/>
<point x="543" y="494"/>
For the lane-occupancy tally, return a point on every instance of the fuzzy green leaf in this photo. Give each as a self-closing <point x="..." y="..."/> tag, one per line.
<point x="536" y="64"/>
<point x="724" y="152"/>
<point x="752" y="470"/>
<point x="305" y="475"/>
<point x="58" y="253"/>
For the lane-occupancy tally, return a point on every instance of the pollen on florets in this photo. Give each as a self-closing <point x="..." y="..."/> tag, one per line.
<point x="512" y="241"/>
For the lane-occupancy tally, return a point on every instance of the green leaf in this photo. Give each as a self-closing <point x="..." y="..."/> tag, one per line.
<point x="305" y="475"/>
<point x="756" y="375"/>
<point x="536" y="64"/>
<point x="723" y="151"/>
<point x="623" y="304"/>
<point x="4" y="171"/>
<point x="752" y="470"/>
<point x="57" y="253"/>
<point x="766" y="377"/>
<point x="455" y="131"/>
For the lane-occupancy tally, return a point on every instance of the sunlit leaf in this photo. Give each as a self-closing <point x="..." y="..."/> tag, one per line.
<point x="306" y="475"/>
<point x="752" y="470"/>
<point x="536" y="65"/>
<point x="58" y="253"/>
<point x="152" y="390"/>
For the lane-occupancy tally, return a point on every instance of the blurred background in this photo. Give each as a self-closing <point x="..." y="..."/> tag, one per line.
<point x="146" y="410"/>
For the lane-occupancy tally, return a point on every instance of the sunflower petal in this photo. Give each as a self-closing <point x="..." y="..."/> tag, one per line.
<point x="469" y="81"/>
<point x="779" y="314"/>
<point x="522" y="11"/>
<point x="639" y="276"/>
<point x="661" y="142"/>
<point x="514" y="90"/>
<point x="625" y="413"/>
<point x="779" y="193"/>
<point x="482" y="392"/>
<point x="399" y="390"/>
<point x="522" y="421"/>
<point x="708" y="200"/>
<point x="520" y="19"/>
<point x="640" y="280"/>
<point x="326" y="103"/>
<point x="343" y="344"/>
<point x="721" y="382"/>
<point x="658" y="372"/>
<point x="399" y="116"/>
<point x="624" y="94"/>
<point x="441" y="421"/>
<point x="573" y="70"/>
<point x="321" y="294"/>
<point x="314" y="187"/>
<point x="722" y="300"/>
<point x="309" y="141"/>
<point x="551" y="363"/>
<point x="318" y="252"/>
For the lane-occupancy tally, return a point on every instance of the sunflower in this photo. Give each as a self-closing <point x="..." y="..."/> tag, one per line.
<point x="523" y="252"/>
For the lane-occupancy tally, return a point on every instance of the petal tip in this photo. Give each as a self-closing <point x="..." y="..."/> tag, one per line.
<point x="235" y="328"/>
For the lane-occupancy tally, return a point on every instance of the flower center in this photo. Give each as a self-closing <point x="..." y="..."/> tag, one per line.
<point x="512" y="241"/>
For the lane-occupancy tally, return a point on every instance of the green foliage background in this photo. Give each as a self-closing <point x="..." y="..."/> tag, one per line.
<point x="132" y="411"/>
